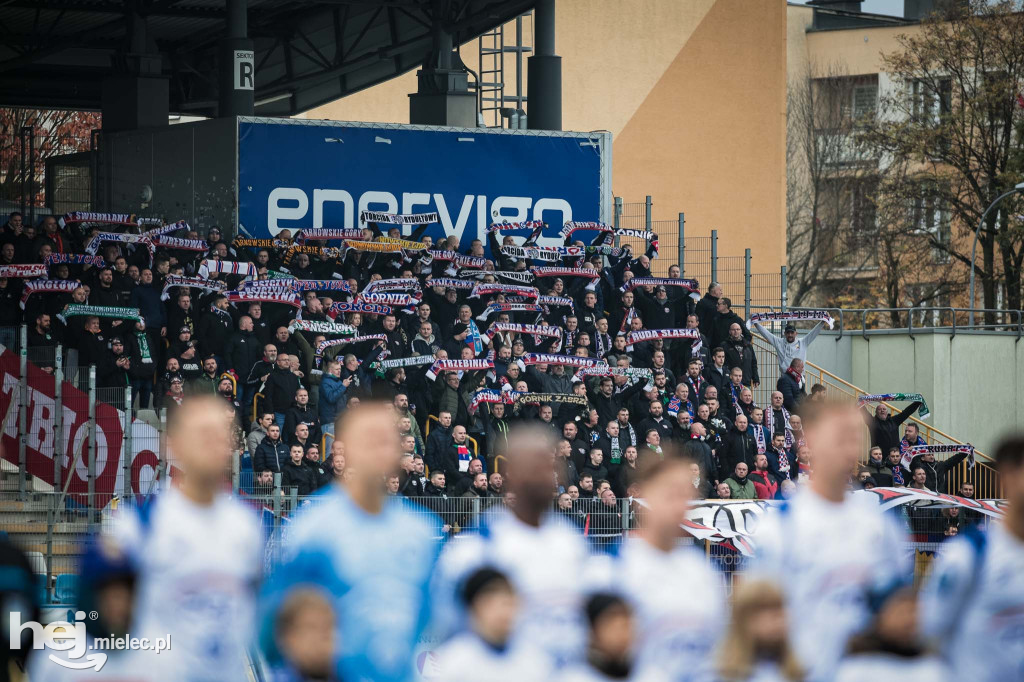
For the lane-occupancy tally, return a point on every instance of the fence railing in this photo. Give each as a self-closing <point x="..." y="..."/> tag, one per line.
<point x="984" y="476"/>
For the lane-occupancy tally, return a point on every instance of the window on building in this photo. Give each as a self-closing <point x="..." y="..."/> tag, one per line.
<point x="931" y="99"/>
<point x="930" y="217"/>
<point x="864" y="99"/>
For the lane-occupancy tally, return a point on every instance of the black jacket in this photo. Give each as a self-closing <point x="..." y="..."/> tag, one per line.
<point x="280" y="390"/>
<point x="736" y="447"/>
<point x="742" y="355"/>
<point x="268" y="455"/>
<point x="935" y="473"/>
<point x="243" y="351"/>
<point x="707" y="313"/>
<point x="722" y="323"/>
<point x="792" y="394"/>
<point x="296" y="415"/>
<point x="884" y="433"/>
<point x="298" y="476"/>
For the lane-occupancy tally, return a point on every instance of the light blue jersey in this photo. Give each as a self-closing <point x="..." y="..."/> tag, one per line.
<point x="376" y="567"/>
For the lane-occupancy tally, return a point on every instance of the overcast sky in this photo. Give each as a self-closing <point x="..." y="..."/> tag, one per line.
<point x="891" y="7"/>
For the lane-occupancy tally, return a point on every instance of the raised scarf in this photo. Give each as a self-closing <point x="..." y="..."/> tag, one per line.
<point x="923" y="412"/>
<point x="460" y="366"/>
<point x="690" y="285"/>
<point x="208" y="267"/>
<point x="182" y="244"/>
<point x="34" y="286"/>
<point x="363" y="308"/>
<point x="75" y="259"/>
<point x="792" y="316"/>
<point x="398" y="218"/>
<point x="498" y="288"/>
<point x="507" y="308"/>
<point x="318" y="327"/>
<point x="24" y="271"/>
<point x="108" y="311"/>
<point x="193" y="282"/>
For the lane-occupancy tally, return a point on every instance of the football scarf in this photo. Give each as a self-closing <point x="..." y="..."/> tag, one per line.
<point x="107" y="311"/>
<point x="104" y="218"/>
<point x="605" y="370"/>
<point x="166" y="229"/>
<point x="24" y="271"/>
<point x="362" y="308"/>
<point x="914" y="450"/>
<point x="399" y="300"/>
<point x="122" y="237"/>
<point x="639" y="234"/>
<point x="317" y="284"/>
<point x="793" y="316"/>
<point x="456" y="258"/>
<point x="318" y="327"/>
<point x="398" y="284"/>
<point x="675" y="404"/>
<point x="450" y="283"/>
<point x="398" y="218"/>
<point x="769" y="422"/>
<point x="564" y="360"/>
<point x="208" y="267"/>
<point x="556" y="301"/>
<point x="440" y="366"/>
<point x="610" y="251"/>
<point x="520" y="399"/>
<point x="193" y="282"/>
<point x="566" y="272"/>
<point x="180" y="244"/>
<point x="474" y="338"/>
<point x="403" y="244"/>
<point x="545" y="253"/>
<point x="413" y="361"/>
<point x="690" y="285"/>
<point x="536" y="329"/>
<point x="373" y="247"/>
<point x="34" y="286"/>
<point x="75" y="259"/>
<point x="922" y="411"/>
<point x="652" y="334"/>
<point x="522" y="276"/>
<point x="324" y="345"/>
<point x="521" y="225"/>
<point x="507" y="308"/>
<point x="285" y="296"/>
<point x="497" y="288"/>
<point x="570" y="227"/>
<point x="245" y="242"/>
<point x="323" y="234"/>
<point x="487" y="395"/>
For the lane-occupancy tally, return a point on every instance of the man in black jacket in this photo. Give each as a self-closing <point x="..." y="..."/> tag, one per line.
<point x="885" y="430"/>
<point x="791" y="385"/>
<point x="737" y="446"/>
<point x="280" y="388"/>
<point x="607" y="402"/>
<point x="935" y="473"/>
<point x="271" y="453"/>
<point x="724" y="320"/>
<point x="707" y="309"/>
<point x="295" y="474"/>
<point x="215" y="329"/>
<point x="300" y="413"/>
<point x="739" y="353"/>
<point x="440" y="436"/>
<point x="244" y="349"/>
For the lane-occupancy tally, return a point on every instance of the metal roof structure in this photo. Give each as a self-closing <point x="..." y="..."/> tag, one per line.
<point x="55" y="53"/>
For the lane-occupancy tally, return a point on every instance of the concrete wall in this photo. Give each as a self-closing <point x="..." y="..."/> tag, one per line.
<point x="972" y="381"/>
<point x="190" y="168"/>
<point x="694" y="93"/>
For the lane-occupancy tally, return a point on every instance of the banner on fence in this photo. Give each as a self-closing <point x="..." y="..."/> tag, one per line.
<point x="40" y="445"/>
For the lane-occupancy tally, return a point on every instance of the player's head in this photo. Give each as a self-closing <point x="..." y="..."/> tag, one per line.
<point x="199" y="435"/>
<point x="1010" y="462"/>
<point x="304" y="633"/>
<point x="611" y="631"/>
<point x="667" y="487"/>
<point x="530" y="451"/>
<point x="492" y="604"/>
<point x="835" y="435"/>
<point x="757" y="631"/>
<point x="372" y="447"/>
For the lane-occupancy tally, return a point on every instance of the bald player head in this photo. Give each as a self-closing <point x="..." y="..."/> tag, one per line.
<point x="372" y="449"/>
<point x="199" y="436"/>
<point x="835" y="436"/>
<point x="530" y="451"/>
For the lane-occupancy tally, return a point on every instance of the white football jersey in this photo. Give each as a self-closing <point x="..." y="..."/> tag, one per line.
<point x="467" y="658"/>
<point x="679" y="607"/>
<point x="973" y="606"/>
<point x="545" y="566"/>
<point x="198" y="572"/>
<point x="828" y="558"/>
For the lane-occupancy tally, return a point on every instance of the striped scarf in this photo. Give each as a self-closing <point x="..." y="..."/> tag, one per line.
<point x="589" y="273"/>
<point x="507" y="308"/>
<point x="194" y="282"/>
<point x="285" y="296"/>
<point x="121" y="237"/>
<point x="34" y="286"/>
<point x="398" y="218"/>
<point x="521" y="225"/>
<point x="769" y="421"/>
<point x="318" y="327"/>
<point x="570" y="227"/>
<point x="362" y="308"/>
<point x="397" y="284"/>
<point x="564" y="360"/>
<point x="545" y="253"/>
<point x="793" y="316"/>
<point x="485" y="289"/>
<point x="323" y="234"/>
<point x="372" y="247"/>
<point x="456" y="258"/>
<point x="689" y="284"/>
<point x="24" y="271"/>
<point x="182" y="244"/>
<point x="536" y="329"/>
<point x="108" y="311"/>
<point x="923" y="412"/>
<point x="75" y="259"/>
<point x="330" y="343"/>
<point x="400" y="300"/>
<point x="460" y="366"/>
<point x="450" y="283"/>
<point x="208" y="267"/>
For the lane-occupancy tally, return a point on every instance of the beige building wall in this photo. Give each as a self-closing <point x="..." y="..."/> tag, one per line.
<point x="693" y="92"/>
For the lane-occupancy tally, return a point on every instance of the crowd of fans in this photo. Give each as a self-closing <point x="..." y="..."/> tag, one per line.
<point x="688" y="393"/>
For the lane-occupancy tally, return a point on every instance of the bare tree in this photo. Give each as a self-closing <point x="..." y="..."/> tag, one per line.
<point x="830" y="183"/>
<point x="956" y="120"/>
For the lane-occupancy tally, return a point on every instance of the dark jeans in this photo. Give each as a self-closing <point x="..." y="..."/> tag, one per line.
<point x="144" y="389"/>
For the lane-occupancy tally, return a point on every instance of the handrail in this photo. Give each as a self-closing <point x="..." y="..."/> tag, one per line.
<point x="854" y="391"/>
<point x="1015" y="324"/>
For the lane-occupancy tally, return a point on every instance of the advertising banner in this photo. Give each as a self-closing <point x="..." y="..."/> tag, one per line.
<point x="40" y="441"/>
<point x="309" y="175"/>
